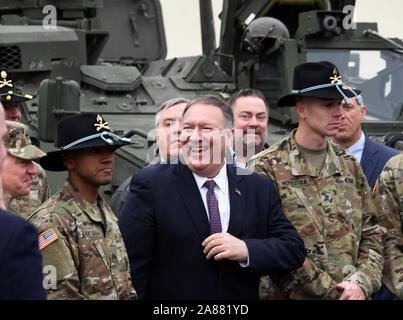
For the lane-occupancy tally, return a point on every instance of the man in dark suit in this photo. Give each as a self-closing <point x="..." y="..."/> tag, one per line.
<point x="167" y="122"/>
<point x="370" y="154"/>
<point x="20" y="259"/>
<point x="374" y="158"/>
<point x="199" y="231"/>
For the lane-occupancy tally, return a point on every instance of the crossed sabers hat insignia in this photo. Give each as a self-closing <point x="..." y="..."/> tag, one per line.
<point x="9" y="94"/>
<point x="336" y="77"/>
<point x="101" y="124"/>
<point x="5" y="82"/>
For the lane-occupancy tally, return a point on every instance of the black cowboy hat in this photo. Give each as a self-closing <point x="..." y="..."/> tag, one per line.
<point x="78" y="132"/>
<point x="9" y="93"/>
<point x="319" y="80"/>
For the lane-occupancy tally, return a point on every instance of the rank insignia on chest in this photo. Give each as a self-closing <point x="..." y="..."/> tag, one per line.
<point x="46" y="238"/>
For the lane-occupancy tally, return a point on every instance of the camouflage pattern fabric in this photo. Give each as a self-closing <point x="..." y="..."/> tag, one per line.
<point x="333" y="212"/>
<point x="89" y="254"/>
<point x="388" y="193"/>
<point x="18" y="143"/>
<point x="25" y="206"/>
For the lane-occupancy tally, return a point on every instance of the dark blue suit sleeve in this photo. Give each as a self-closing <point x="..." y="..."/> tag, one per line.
<point x="22" y="269"/>
<point x="282" y="250"/>
<point x="136" y="222"/>
<point x="118" y="198"/>
<point x="374" y="158"/>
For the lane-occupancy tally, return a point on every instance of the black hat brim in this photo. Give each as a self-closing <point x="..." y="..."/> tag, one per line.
<point x="324" y="93"/>
<point x="15" y="98"/>
<point x="54" y="161"/>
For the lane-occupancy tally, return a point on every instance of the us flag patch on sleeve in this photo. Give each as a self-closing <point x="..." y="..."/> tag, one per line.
<point x="46" y="238"/>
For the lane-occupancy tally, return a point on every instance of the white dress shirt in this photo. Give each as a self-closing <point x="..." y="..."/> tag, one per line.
<point x="221" y="191"/>
<point x="358" y="148"/>
<point x="233" y="155"/>
<point x="221" y="194"/>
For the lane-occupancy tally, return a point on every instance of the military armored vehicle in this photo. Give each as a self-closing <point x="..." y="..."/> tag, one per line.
<point x="110" y="57"/>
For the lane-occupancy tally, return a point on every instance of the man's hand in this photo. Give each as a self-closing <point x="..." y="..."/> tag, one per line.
<point x="351" y="291"/>
<point x="225" y="246"/>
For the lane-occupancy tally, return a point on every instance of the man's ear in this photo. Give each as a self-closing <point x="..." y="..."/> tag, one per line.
<point x="300" y="107"/>
<point x="69" y="160"/>
<point x="363" y="112"/>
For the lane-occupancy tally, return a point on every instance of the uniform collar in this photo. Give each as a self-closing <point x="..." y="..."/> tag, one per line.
<point x="70" y="188"/>
<point x="301" y="167"/>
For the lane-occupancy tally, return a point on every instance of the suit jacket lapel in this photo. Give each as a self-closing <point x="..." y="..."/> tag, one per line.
<point x="191" y="197"/>
<point x="368" y="161"/>
<point x="237" y="195"/>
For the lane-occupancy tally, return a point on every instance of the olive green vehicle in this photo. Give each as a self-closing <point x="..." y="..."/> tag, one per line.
<point x="110" y="57"/>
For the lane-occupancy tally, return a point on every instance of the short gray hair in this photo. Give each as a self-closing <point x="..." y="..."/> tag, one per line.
<point x="167" y="104"/>
<point x="216" y="101"/>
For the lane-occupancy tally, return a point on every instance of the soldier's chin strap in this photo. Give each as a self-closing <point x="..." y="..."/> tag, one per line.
<point x="106" y="136"/>
<point x="9" y="95"/>
<point x="338" y="85"/>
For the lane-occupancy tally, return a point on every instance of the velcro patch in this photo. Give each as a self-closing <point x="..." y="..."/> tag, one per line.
<point x="46" y="238"/>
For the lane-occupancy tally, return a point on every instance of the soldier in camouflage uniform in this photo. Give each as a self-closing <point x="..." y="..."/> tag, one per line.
<point x="324" y="193"/>
<point x="388" y="194"/>
<point x="39" y="193"/>
<point x="18" y="166"/>
<point x="11" y="99"/>
<point x="79" y="237"/>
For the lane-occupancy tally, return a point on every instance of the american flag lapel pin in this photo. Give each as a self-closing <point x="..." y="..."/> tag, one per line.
<point x="237" y="192"/>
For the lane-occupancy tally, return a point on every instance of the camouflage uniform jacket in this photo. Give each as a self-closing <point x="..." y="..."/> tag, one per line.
<point x="333" y="212"/>
<point x="89" y="255"/>
<point x="24" y="206"/>
<point x="389" y="200"/>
